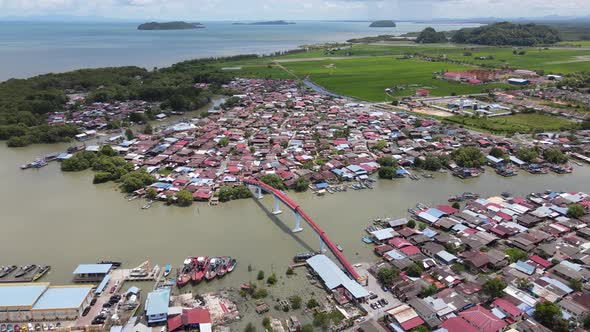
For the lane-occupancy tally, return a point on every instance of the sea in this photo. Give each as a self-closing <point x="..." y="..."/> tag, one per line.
<point x="32" y="48"/>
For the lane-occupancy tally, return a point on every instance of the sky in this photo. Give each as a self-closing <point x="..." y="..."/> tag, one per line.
<point x="203" y="10"/>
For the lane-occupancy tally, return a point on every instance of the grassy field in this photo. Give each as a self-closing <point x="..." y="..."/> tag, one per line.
<point x="522" y="123"/>
<point x="550" y="60"/>
<point x="367" y="78"/>
<point x="364" y="71"/>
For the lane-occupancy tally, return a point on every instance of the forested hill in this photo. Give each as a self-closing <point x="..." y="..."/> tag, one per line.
<point x="506" y="33"/>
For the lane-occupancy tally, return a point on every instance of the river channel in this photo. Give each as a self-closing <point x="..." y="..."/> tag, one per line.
<point x="62" y="219"/>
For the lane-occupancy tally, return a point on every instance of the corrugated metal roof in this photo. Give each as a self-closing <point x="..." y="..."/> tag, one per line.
<point x="20" y="295"/>
<point x="157" y="302"/>
<point x="63" y="297"/>
<point x="383" y="234"/>
<point x="103" y="284"/>
<point x="93" y="268"/>
<point x="333" y="276"/>
<point x="525" y="267"/>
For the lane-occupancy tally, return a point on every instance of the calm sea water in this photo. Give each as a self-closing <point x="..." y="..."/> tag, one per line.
<point x="28" y="49"/>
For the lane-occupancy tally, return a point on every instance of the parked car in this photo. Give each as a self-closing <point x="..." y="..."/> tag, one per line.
<point x="86" y="311"/>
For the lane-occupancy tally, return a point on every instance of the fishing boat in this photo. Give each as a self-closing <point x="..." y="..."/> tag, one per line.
<point x="24" y="270"/>
<point x="41" y="272"/>
<point x="232" y="265"/>
<point x="185" y="274"/>
<point x="200" y="269"/>
<point x="113" y="263"/>
<point x="222" y="267"/>
<point x="6" y="270"/>
<point x="212" y="268"/>
<point x="167" y="270"/>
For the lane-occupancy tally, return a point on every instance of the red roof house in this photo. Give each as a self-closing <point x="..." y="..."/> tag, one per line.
<point x="483" y="319"/>
<point x="457" y="324"/>
<point x="508" y="308"/>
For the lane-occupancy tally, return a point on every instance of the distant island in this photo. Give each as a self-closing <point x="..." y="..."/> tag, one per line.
<point x="383" y="24"/>
<point x="265" y="23"/>
<point x="177" y="25"/>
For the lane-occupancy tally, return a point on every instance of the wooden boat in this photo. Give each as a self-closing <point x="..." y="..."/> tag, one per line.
<point x="41" y="272"/>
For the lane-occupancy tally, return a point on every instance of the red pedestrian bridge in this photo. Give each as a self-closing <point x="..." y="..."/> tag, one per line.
<point x="280" y="196"/>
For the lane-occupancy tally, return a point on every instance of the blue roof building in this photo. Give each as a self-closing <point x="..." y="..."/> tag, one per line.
<point x="41" y="302"/>
<point x="156" y="306"/>
<point x="20" y="296"/>
<point x="102" y="285"/>
<point x="91" y="272"/>
<point x="333" y="277"/>
<point x="66" y="297"/>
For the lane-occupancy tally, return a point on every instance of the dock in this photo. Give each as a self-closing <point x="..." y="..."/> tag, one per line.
<point x="16" y="280"/>
<point x="143" y="272"/>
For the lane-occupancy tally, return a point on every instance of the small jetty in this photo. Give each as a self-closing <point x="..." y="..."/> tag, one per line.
<point x="144" y="272"/>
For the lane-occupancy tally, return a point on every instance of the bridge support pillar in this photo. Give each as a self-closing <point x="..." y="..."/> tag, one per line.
<point x="297" y="228"/>
<point x="276" y="209"/>
<point x="322" y="244"/>
<point x="259" y="193"/>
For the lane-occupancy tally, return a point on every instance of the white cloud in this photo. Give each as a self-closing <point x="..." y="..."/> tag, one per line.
<point x="288" y="9"/>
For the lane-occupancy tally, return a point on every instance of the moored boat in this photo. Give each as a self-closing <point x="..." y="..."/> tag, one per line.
<point x="6" y="270"/>
<point x="41" y="272"/>
<point x="24" y="270"/>
<point x="302" y="257"/>
<point x="211" y="272"/>
<point x="223" y="263"/>
<point x="200" y="268"/>
<point x="184" y="276"/>
<point x="167" y="270"/>
<point x="113" y="263"/>
<point x="232" y="265"/>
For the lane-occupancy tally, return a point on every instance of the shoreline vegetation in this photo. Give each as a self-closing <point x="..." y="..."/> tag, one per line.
<point x="176" y="25"/>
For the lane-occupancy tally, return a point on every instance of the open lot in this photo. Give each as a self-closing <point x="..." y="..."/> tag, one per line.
<point x="523" y="123"/>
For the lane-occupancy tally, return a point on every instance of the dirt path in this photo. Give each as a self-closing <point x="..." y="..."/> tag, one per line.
<point x="578" y="58"/>
<point x="330" y="58"/>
